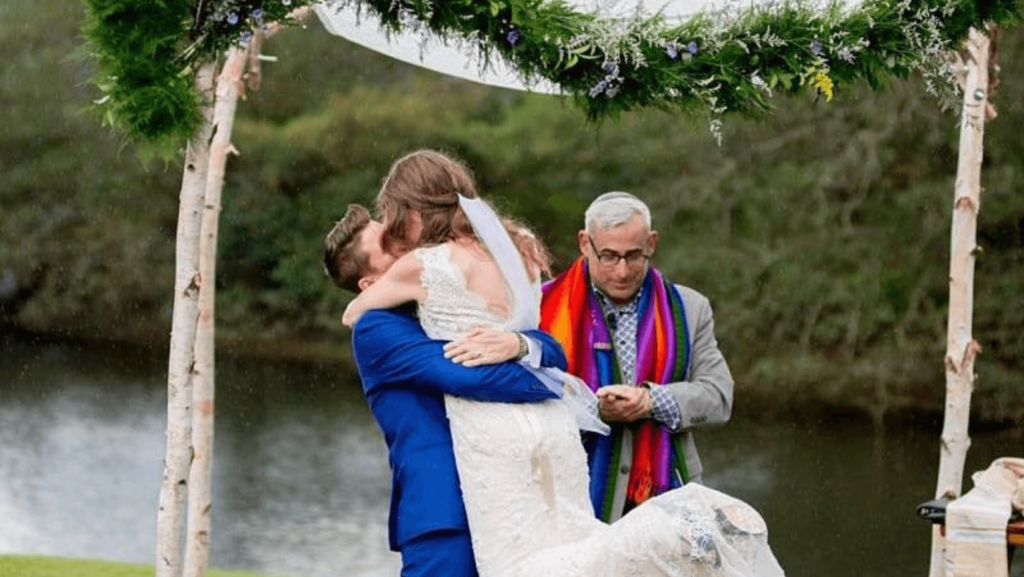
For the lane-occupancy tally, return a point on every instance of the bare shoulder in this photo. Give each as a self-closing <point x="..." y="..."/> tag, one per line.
<point x="407" y="267"/>
<point x="470" y="256"/>
<point x="466" y="248"/>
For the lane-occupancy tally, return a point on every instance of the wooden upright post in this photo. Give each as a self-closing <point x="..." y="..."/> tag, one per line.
<point x="229" y="87"/>
<point x="961" y="348"/>
<point x="200" y="500"/>
<point x="170" y="520"/>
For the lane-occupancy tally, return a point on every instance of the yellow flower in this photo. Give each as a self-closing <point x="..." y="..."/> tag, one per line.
<point x="823" y="83"/>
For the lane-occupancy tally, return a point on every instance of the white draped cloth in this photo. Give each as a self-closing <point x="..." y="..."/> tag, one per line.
<point x="976" y="522"/>
<point x="463" y="59"/>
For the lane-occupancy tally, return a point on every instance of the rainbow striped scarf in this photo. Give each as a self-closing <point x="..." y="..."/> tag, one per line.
<point x="571" y="313"/>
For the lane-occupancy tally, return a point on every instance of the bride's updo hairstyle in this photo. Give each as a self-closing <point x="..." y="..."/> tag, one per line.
<point x="430" y="183"/>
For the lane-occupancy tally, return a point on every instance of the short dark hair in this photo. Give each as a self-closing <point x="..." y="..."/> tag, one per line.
<point x="345" y="261"/>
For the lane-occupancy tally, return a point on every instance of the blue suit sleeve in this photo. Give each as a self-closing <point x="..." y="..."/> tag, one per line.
<point x="552" y="354"/>
<point x="392" y="350"/>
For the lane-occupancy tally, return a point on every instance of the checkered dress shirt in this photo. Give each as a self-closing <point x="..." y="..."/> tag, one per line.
<point x="622" y="321"/>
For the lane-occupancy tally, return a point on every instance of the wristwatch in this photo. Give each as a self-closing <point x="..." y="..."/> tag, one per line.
<point x="524" y="349"/>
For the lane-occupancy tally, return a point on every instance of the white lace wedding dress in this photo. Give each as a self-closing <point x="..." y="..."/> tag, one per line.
<point x="524" y="481"/>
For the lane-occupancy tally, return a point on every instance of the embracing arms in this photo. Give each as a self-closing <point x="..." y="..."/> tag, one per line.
<point x="391" y="349"/>
<point x="400" y="284"/>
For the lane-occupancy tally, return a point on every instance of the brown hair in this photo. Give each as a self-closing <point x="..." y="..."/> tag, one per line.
<point x="344" y="260"/>
<point x="430" y="183"/>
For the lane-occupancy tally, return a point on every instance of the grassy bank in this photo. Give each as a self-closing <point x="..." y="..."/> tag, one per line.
<point x="25" y="566"/>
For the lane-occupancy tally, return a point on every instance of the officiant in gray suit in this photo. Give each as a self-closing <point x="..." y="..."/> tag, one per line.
<point x="647" y="346"/>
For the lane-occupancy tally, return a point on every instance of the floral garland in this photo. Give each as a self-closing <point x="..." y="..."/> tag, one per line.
<point x="148" y="52"/>
<point x="731" y="60"/>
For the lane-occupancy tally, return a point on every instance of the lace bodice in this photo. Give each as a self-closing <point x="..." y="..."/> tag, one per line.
<point x="450" y="309"/>
<point x="524" y="479"/>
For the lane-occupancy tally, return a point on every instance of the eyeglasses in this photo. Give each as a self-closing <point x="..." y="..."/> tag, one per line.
<point x="633" y="258"/>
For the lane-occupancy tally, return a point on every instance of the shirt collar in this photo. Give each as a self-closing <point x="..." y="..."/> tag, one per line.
<point x="608" y="306"/>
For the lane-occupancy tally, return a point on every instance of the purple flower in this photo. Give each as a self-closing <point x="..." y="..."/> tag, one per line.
<point x="257" y="13"/>
<point x="692" y="48"/>
<point x="610" y="67"/>
<point x="246" y="37"/>
<point x="512" y="37"/>
<point x="611" y="92"/>
<point x="672" y="50"/>
<point x="233" y="18"/>
<point x="286" y="2"/>
<point x="816" y="47"/>
<point x="601" y="86"/>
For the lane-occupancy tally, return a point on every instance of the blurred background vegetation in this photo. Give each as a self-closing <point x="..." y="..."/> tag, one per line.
<point x="821" y="234"/>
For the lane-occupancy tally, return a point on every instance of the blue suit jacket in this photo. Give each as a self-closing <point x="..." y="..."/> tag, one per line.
<point x="405" y="377"/>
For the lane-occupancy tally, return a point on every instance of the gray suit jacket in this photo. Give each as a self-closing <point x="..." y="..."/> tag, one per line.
<point x="704" y="399"/>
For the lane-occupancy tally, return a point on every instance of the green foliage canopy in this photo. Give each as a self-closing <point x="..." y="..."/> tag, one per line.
<point x="729" y="61"/>
<point x="147" y="54"/>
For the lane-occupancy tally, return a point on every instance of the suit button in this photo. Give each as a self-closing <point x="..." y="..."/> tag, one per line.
<point x="624" y="469"/>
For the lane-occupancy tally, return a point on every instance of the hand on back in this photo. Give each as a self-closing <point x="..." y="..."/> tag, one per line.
<point x="483" y="346"/>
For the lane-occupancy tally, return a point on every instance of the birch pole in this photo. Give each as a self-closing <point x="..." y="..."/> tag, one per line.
<point x="961" y="348"/>
<point x="170" y="521"/>
<point x="200" y="502"/>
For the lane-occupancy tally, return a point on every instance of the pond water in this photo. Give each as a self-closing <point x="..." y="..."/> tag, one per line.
<point x="301" y="481"/>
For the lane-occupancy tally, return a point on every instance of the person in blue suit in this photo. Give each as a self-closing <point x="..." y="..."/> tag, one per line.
<point x="405" y="376"/>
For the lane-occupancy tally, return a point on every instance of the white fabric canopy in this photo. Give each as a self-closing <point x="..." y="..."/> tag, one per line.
<point x="422" y="49"/>
<point x="463" y="60"/>
<point x="431" y="52"/>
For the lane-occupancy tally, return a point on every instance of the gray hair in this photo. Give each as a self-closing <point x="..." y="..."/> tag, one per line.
<point x="613" y="209"/>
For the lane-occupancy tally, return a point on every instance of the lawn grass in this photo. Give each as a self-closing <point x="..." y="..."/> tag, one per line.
<point x="27" y="566"/>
